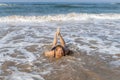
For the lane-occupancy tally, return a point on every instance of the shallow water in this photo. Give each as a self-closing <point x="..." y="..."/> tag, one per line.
<point x="94" y="39"/>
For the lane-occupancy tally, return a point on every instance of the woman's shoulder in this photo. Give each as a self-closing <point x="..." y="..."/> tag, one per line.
<point x="49" y="53"/>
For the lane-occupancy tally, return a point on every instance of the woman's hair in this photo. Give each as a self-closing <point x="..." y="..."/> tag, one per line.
<point x="59" y="46"/>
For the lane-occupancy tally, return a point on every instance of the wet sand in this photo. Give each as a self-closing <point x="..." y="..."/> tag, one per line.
<point x="94" y="40"/>
<point x="77" y="66"/>
<point x="85" y="68"/>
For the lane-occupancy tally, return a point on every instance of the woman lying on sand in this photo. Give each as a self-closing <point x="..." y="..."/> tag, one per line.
<point x="58" y="51"/>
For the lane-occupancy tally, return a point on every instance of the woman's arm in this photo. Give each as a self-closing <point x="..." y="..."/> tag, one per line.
<point x="55" y="40"/>
<point x="62" y="42"/>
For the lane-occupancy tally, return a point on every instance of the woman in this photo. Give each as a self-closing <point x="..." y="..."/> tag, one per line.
<point x="57" y="51"/>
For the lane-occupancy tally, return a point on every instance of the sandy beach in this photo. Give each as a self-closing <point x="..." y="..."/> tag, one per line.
<point x="91" y="32"/>
<point x="77" y="66"/>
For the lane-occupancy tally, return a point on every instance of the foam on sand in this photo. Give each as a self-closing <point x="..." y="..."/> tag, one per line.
<point x="24" y="76"/>
<point x="22" y="41"/>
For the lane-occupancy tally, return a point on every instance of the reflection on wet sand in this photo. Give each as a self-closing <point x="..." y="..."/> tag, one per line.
<point x="78" y="66"/>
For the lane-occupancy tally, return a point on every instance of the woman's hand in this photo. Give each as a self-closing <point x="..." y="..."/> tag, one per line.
<point x="58" y="31"/>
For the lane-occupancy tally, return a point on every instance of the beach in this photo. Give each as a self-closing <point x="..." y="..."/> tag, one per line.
<point x="91" y="31"/>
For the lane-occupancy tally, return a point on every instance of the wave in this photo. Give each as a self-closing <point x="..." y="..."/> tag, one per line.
<point x="59" y="17"/>
<point x="68" y="6"/>
<point x="7" y="5"/>
<point x="3" y="4"/>
<point x="116" y="3"/>
<point x="84" y="6"/>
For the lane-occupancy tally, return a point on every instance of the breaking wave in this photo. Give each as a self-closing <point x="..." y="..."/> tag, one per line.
<point x="60" y="17"/>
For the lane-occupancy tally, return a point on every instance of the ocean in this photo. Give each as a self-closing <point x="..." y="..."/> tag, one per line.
<point x="39" y="9"/>
<point x="27" y="29"/>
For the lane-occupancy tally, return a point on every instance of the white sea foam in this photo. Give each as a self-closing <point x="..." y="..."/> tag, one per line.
<point x="89" y="32"/>
<point x="61" y="17"/>
<point x="3" y="4"/>
<point x="115" y="63"/>
<point x="24" y="76"/>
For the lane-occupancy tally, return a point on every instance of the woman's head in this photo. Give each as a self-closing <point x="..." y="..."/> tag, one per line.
<point x="59" y="51"/>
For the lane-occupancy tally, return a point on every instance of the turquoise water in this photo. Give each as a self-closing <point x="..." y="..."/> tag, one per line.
<point x="7" y="9"/>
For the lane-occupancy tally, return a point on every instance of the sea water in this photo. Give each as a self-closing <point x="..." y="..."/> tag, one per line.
<point x="91" y="27"/>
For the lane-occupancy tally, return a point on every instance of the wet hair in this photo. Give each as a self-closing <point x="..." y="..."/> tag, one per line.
<point x="59" y="46"/>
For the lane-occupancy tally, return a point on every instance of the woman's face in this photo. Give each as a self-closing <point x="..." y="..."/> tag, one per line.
<point x="59" y="52"/>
